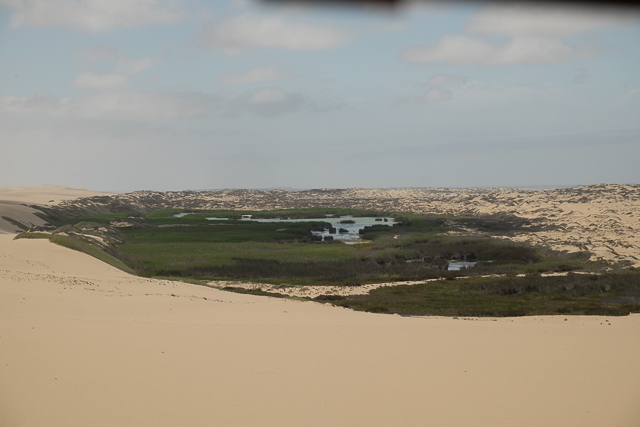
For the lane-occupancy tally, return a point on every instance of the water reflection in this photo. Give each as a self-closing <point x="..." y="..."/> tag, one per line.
<point x="345" y="228"/>
<point x="458" y="265"/>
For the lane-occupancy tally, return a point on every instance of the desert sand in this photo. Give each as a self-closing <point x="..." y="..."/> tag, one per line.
<point x="84" y="344"/>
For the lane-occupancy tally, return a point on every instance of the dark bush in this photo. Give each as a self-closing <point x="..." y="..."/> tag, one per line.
<point x="324" y="298"/>
<point x="341" y="271"/>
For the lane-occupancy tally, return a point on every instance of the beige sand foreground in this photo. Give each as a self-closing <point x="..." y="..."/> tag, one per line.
<point x="83" y="344"/>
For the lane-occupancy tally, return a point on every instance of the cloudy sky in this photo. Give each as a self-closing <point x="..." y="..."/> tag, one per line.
<point x="190" y="94"/>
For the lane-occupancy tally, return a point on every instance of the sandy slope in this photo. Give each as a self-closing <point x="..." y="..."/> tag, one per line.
<point x="15" y="202"/>
<point x="83" y="344"/>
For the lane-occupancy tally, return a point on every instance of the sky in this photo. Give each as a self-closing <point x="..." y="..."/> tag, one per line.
<point x="189" y="94"/>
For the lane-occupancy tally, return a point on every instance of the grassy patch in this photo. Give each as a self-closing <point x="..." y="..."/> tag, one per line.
<point x="104" y="218"/>
<point x="222" y="232"/>
<point x="611" y="294"/>
<point x="32" y="236"/>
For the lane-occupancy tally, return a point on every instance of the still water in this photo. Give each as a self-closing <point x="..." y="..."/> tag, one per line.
<point x="458" y="265"/>
<point x="346" y="232"/>
<point x="350" y="232"/>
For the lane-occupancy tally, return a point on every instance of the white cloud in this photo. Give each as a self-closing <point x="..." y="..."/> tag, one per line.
<point x="101" y="52"/>
<point x="464" y="50"/>
<point x="100" y="81"/>
<point x="263" y="96"/>
<point x="446" y="79"/>
<point x="269" y="102"/>
<point x="236" y="34"/>
<point x="534" y="36"/>
<point x="121" y="77"/>
<point x="258" y="74"/>
<point x="274" y="102"/>
<point x="431" y="96"/>
<point x="133" y="106"/>
<point x="154" y="107"/>
<point x="141" y="65"/>
<point x="547" y="20"/>
<point x="93" y="15"/>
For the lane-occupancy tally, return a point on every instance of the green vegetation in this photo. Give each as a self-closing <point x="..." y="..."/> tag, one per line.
<point x="608" y="294"/>
<point x="197" y="249"/>
<point x="35" y="235"/>
<point x="16" y="223"/>
<point x="192" y="246"/>
<point x="223" y="232"/>
<point x="104" y="218"/>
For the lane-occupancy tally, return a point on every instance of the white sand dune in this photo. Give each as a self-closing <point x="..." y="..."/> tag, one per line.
<point x="84" y="344"/>
<point x="19" y="212"/>
<point x="45" y="194"/>
<point x="15" y="202"/>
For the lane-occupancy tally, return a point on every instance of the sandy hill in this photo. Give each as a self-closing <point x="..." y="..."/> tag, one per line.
<point x="15" y="203"/>
<point x="83" y="344"/>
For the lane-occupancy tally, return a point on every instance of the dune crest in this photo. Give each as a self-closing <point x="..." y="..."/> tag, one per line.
<point x="15" y="203"/>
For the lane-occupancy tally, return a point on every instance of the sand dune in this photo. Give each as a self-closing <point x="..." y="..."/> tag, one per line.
<point x="45" y="194"/>
<point x="15" y="202"/>
<point x="18" y="212"/>
<point x="84" y="344"/>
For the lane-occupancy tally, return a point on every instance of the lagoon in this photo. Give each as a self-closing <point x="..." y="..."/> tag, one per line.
<point x="347" y="227"/>
<point x="458" y="265"/>
<point x="351" y="230"/>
